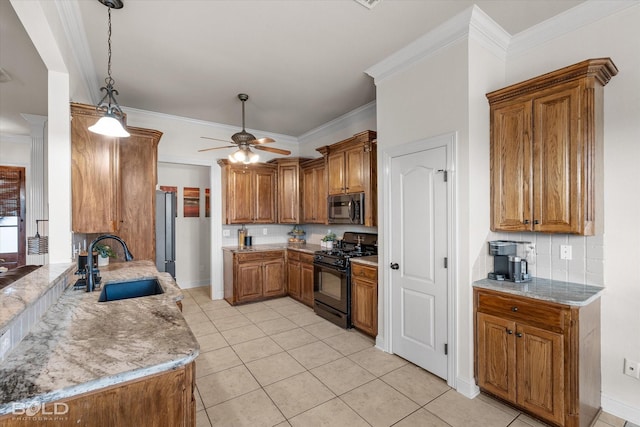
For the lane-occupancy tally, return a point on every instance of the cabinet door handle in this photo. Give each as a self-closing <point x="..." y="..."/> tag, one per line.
<point x="519" y="334"/>
<point x="509" y="331"/>
<point x="535" y="221"/>
<point x="514" y="309"/>
<point x="526" y="221"/>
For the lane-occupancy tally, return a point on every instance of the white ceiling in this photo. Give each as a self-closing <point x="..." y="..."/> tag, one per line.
<point x="301" y="62"/>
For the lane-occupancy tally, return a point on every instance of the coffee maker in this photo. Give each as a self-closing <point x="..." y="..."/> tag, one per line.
<point x="507" y="265"/>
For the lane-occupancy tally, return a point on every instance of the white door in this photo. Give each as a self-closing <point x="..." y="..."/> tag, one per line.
<point x="418" y="194"/>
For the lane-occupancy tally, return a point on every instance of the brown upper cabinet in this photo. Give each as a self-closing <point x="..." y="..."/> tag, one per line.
<point x="248" y="193"/>
<point x="113" y="182"/>
<point x="352" y="168"/>
<point x="314" y="192"/>
<point x="289" y="189"/>
<point x="546" y="150"/>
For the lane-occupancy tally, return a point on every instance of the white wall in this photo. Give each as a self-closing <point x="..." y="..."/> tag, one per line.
<point x="193" y="234"/>
<point x="617" y="37"/>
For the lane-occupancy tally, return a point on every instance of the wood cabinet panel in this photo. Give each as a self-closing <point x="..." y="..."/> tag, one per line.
<point x="364" y="298"/>
<point x="539" y="367"/>
<point x="300" y="276"/>
<point x="306" y="281"/>
<point x="158" y="400"/>
<point x="248" y="193"/>
<point x="290" y="190"/>
<point x="546" y="150"/>
<point x="95" y="174"/>
<point x="254" y="276"/>
<point x="314" y="192"/>
<point x="355" y="179"/>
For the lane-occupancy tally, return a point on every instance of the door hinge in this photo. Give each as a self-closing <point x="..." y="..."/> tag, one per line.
<point x="446" y="262"/>
<point x="446" y="349"/>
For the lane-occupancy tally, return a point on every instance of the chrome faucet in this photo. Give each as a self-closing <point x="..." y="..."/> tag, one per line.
<point x="89" y="267"/>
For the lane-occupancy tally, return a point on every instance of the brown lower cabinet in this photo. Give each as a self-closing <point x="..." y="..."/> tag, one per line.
<point x="164" y="399"/>
<point x="364" y="298"/>
<point x="540" y="356"/>
<point x="253" y="276"/>
<point x="300" y="276"/>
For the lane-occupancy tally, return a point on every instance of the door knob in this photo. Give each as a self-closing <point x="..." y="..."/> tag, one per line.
<point x="394" y="266"/>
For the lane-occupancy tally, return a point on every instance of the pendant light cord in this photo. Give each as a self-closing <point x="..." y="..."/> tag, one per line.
<point x="109" y="78"/>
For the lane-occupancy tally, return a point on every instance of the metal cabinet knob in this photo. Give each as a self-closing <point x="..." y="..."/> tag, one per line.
<point x="394" y="266"/>
<point x="535" y="221"/>
<point x="519" y="334"/>
<point x="509" y="331"/>
<point x="526" y="221"/>
<point x="514" y="309"/>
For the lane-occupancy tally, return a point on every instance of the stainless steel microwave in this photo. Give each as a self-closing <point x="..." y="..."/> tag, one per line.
<point x="346" y="209"/>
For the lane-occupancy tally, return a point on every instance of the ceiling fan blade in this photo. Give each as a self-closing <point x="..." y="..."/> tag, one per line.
<point x="216" y="139"/>
<point x="265" y="140"/>
<point x="218" y="148"/>
<point x="272" y="150"/>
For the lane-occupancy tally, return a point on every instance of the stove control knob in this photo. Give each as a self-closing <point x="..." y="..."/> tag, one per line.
<point x="318" y="257"/>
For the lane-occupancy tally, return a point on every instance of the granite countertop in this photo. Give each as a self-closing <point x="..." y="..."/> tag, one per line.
<point x="371" y="260"/>
<point x="302" y="247"/>
<point x="567" y="293"/>
<point x="81" y="345"/>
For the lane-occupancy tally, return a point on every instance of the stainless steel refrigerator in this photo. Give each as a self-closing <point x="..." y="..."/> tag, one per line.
<point x="166" y="206"/>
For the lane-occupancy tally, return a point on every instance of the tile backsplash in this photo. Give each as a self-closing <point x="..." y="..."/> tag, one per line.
<point x="586" y="265"/>
<point x="277" y="233"/>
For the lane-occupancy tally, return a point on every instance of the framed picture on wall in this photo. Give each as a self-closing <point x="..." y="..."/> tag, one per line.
<point x="191" y="199"/>
<point x="207" y="209"/>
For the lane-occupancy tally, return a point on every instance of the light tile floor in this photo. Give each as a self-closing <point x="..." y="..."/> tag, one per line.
<point x="275" y="363"/>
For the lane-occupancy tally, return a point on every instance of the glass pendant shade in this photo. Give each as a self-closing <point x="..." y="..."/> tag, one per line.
<point x="109" y="126"/>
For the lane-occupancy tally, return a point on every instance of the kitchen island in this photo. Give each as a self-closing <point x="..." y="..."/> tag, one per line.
<point x="128" y="362"/>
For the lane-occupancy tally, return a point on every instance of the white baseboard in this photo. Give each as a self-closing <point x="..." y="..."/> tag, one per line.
<point x="620" y="409"/>
<point x="467" y="387"/>
<point x="193" y="284"/>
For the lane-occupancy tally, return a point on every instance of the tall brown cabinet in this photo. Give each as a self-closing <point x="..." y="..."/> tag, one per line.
<point x="546" y="143"/>
<point x="113" y="182"/>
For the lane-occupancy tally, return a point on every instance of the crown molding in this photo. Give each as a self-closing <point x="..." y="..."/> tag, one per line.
<point x="219" y="127"/>
<point x="364" y="111"/>
<point x="73" y="26"/>
<point x="472" y="22"/>
<point x="570" y="20"/>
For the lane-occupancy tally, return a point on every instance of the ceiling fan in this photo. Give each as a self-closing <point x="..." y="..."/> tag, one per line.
<point x="243" y="140"/>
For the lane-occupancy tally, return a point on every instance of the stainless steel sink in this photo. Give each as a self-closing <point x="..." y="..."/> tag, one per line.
<point x="113" y="291"/>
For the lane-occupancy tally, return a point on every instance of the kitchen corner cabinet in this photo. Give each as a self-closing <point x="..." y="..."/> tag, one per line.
<point x="314" y="192"/>
<point x="113" y="182"/>
<point x="253" y="276"/>
<point x="162" y="399"/>
<point x="289" y="190"/>
<point x="352" y="168"/>
<point x="364" y="298"/>
<point x="546" y="150"/>
<point x="248" y="193"/>
<point x="541" y="356"/>
<point x="300" y="276"/>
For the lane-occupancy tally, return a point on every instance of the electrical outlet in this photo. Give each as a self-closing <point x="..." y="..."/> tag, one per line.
<point x="632" y="368"/>
<point x="265" y="231"/>
<point x="226" y="233"/>
<point x="565" y="252"/>
<point x="5" y="343"/>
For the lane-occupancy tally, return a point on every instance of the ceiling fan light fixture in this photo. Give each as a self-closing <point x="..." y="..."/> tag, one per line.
<point x="111" y="124"/>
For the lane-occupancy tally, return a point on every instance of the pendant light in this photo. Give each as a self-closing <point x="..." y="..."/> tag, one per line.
<point x="111" y="123"/>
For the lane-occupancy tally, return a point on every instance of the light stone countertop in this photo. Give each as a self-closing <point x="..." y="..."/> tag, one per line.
<point x="81" y="345"/>
<point x="306" y="247"/>
<point x="568" y="293"/>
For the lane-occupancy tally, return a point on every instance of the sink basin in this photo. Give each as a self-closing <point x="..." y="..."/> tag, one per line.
<point x="130" y="289"/>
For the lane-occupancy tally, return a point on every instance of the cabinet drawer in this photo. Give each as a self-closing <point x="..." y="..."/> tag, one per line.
<point x="525" y="310"/>
<point x="259" y="256"/>
<point x="306" y="258"/>
<point x="293" y="255"/>
<point x="364" y="272"/>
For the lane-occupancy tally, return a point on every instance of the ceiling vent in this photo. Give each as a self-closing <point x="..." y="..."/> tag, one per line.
<point x="4" y="76"/>
<point x="369" y="4"/>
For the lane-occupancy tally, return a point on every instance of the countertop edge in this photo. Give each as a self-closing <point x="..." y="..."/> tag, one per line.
<point x="590" y="292"/>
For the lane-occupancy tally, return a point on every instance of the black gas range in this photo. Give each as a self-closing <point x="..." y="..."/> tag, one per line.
<point x="332" y="276"/>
